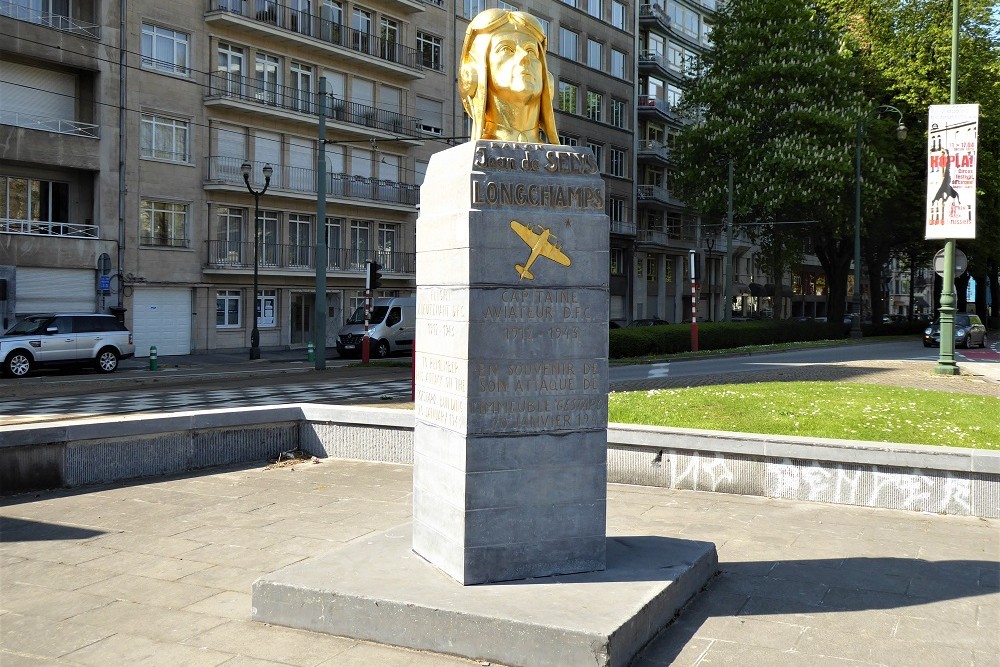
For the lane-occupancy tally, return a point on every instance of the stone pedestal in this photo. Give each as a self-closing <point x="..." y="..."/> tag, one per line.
<point x="511" y="376"/>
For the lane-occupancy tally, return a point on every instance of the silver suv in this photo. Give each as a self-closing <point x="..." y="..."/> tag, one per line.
<point x="65" y="339"/>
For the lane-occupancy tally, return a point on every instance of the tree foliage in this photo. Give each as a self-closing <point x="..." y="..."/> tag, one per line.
<point x="780" y="97"/>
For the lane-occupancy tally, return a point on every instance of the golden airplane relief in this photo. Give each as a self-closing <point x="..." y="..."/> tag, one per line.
<point x="542" y="242"/>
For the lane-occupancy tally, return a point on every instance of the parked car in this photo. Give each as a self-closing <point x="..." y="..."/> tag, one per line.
<point x="64" y="340"/>
<point x="969" y="332"/>
<point x="391" y="328"/>
<point x="647" y="322"/>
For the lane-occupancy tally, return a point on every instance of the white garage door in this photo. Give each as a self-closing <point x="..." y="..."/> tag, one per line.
<point x="161" y="317"/>
<point x="54" y="291"/>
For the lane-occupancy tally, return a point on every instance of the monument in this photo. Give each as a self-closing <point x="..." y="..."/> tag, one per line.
<point x="510" y="430"/>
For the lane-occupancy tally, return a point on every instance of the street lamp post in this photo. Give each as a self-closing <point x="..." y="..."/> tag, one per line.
<point x="267" y="171"/>
<point x="859" y="139"/>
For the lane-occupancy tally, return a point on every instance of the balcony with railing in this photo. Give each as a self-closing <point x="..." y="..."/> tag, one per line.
<point x="319" y="31"/>
<point x="653" y="13"/>
<point x="19" y="11"/>
<point x="46" y="228"/>
<point x="55" y="125"/>
<point x="656" y="196"/>
<point x="392" y="194"/>
<point x="651" y="105"/>
<point x="229" y="88"/>
<point x="623" y="228"/>
<point x="238" y="255"/>
<point x="653" y="151"/>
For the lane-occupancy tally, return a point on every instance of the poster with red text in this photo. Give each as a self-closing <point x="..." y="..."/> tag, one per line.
<point x="951" y="171"/>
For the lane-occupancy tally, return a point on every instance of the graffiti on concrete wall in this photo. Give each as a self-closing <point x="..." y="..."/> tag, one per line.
<point x="889" y="487"/>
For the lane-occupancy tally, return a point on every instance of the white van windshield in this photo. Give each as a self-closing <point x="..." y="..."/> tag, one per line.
<point x="378" y="314"/>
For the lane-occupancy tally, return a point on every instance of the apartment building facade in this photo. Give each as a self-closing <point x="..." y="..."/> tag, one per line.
<point x="123" y="179"/>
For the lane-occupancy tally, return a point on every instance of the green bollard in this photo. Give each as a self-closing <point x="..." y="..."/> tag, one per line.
<point x="310" y="352"/>
<point x="153" y="364"/>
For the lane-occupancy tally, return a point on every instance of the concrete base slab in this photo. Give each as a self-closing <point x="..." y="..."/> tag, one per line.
<point x="378" y="589"/>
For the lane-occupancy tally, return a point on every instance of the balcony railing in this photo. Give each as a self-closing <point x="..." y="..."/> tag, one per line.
<point x="653" y="149"/>
<point x="42" y="228"/>
<point x="18" y="11"/>
<point x="57" y="125"/>
<point x="621" y="227"/>
<point x="299" y="179"/>
<point x="653" y="103"/>
<point x="226" y="85"/>
<point x="239" y="255"/>
<point x="654" y="193"/>
<point x="322" y="28"/>
<point x="654" y="12"/>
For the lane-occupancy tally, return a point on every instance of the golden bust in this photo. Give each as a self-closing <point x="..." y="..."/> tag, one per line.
<point x="504" y="84"/>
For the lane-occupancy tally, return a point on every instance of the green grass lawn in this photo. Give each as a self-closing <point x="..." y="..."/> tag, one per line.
<point x="820" y="409"/>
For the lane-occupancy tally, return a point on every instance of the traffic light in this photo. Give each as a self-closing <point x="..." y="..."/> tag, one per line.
<point x="374" y="280"/>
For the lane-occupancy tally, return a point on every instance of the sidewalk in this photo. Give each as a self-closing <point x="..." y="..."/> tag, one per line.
<point x="160" y="573"/>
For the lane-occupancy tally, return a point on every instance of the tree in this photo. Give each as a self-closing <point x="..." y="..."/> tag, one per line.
<point x="786" y="115"/>
<point x="904" y="47"/>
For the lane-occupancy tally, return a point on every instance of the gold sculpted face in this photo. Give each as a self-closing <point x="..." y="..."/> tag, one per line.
<point x="505" y="86"/>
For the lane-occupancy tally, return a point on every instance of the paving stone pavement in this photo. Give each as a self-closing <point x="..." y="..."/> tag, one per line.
<point x="158" y="572"/>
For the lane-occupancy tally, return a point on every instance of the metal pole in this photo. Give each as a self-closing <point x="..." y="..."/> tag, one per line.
<point x="946" y="357"/>
<point x="730" y="274"/>
<point x="694" y="305"/>
<point x="255" y="332"/>
<point x="856" y="323"/>
<point x="319" y="336"/>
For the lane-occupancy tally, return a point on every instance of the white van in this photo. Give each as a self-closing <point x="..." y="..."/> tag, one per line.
<point x="391" y="328"/>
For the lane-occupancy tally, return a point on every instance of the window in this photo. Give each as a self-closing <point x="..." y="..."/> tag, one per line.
<point x="506" y="5"/>
<point x="618" y="14"/>
<point x="227" y="308"/>
<point x="230" y="67"/>
<point x="229" y="237"/>
<point x="617" y="262"/>
<point x="568" y="44"/>
<point x="360" y="242"/>
<point x="594" y="8"/>
<point x="616" y="209"/>
<point x="598" y="154"/>
<point x="301" y="84"/>
<point x="595" y="105"/>
<point x="362" y="24"/>
<point x="163" y="138"/>
<point x="651" y="269"/>
<point x="618" y="113"/>
<point x="595" y="54"/>
<point x="164" y="50"/>
<point x="334" y="244"/>
<point x="267" y="307"/>
<point x="673" y="95"/>
<point x="431" y="115"/>
<point x="299" y="239"/>
<point x="163" y="223"/>
<point x="387" y="246"/>
<point x="545" y="26"/>
<point x="266" y="78"/>
<point x="571" y="3"/>
<point x="567" y="140"/>
<point x="430" y="51"/>
<point x="617" y="162"/>
<point x="389" y="32"/>
<point x="24" y="199"/>
<point x="268" y="238"/>
<point x="618" y="64"/>
<point x="569" y="97"/>
<point x="473" y="7"/>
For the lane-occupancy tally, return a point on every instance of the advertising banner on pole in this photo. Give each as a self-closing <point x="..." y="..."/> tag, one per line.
<point x="951" y="171"/>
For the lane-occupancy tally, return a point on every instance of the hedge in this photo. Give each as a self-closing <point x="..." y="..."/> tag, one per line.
<point x="673" y="338"/>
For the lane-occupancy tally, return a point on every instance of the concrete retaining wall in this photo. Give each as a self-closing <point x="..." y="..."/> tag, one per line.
<point x="909" y="477"/>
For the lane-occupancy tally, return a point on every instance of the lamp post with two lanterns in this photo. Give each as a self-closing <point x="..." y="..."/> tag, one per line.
<point x="246" y="168"/>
